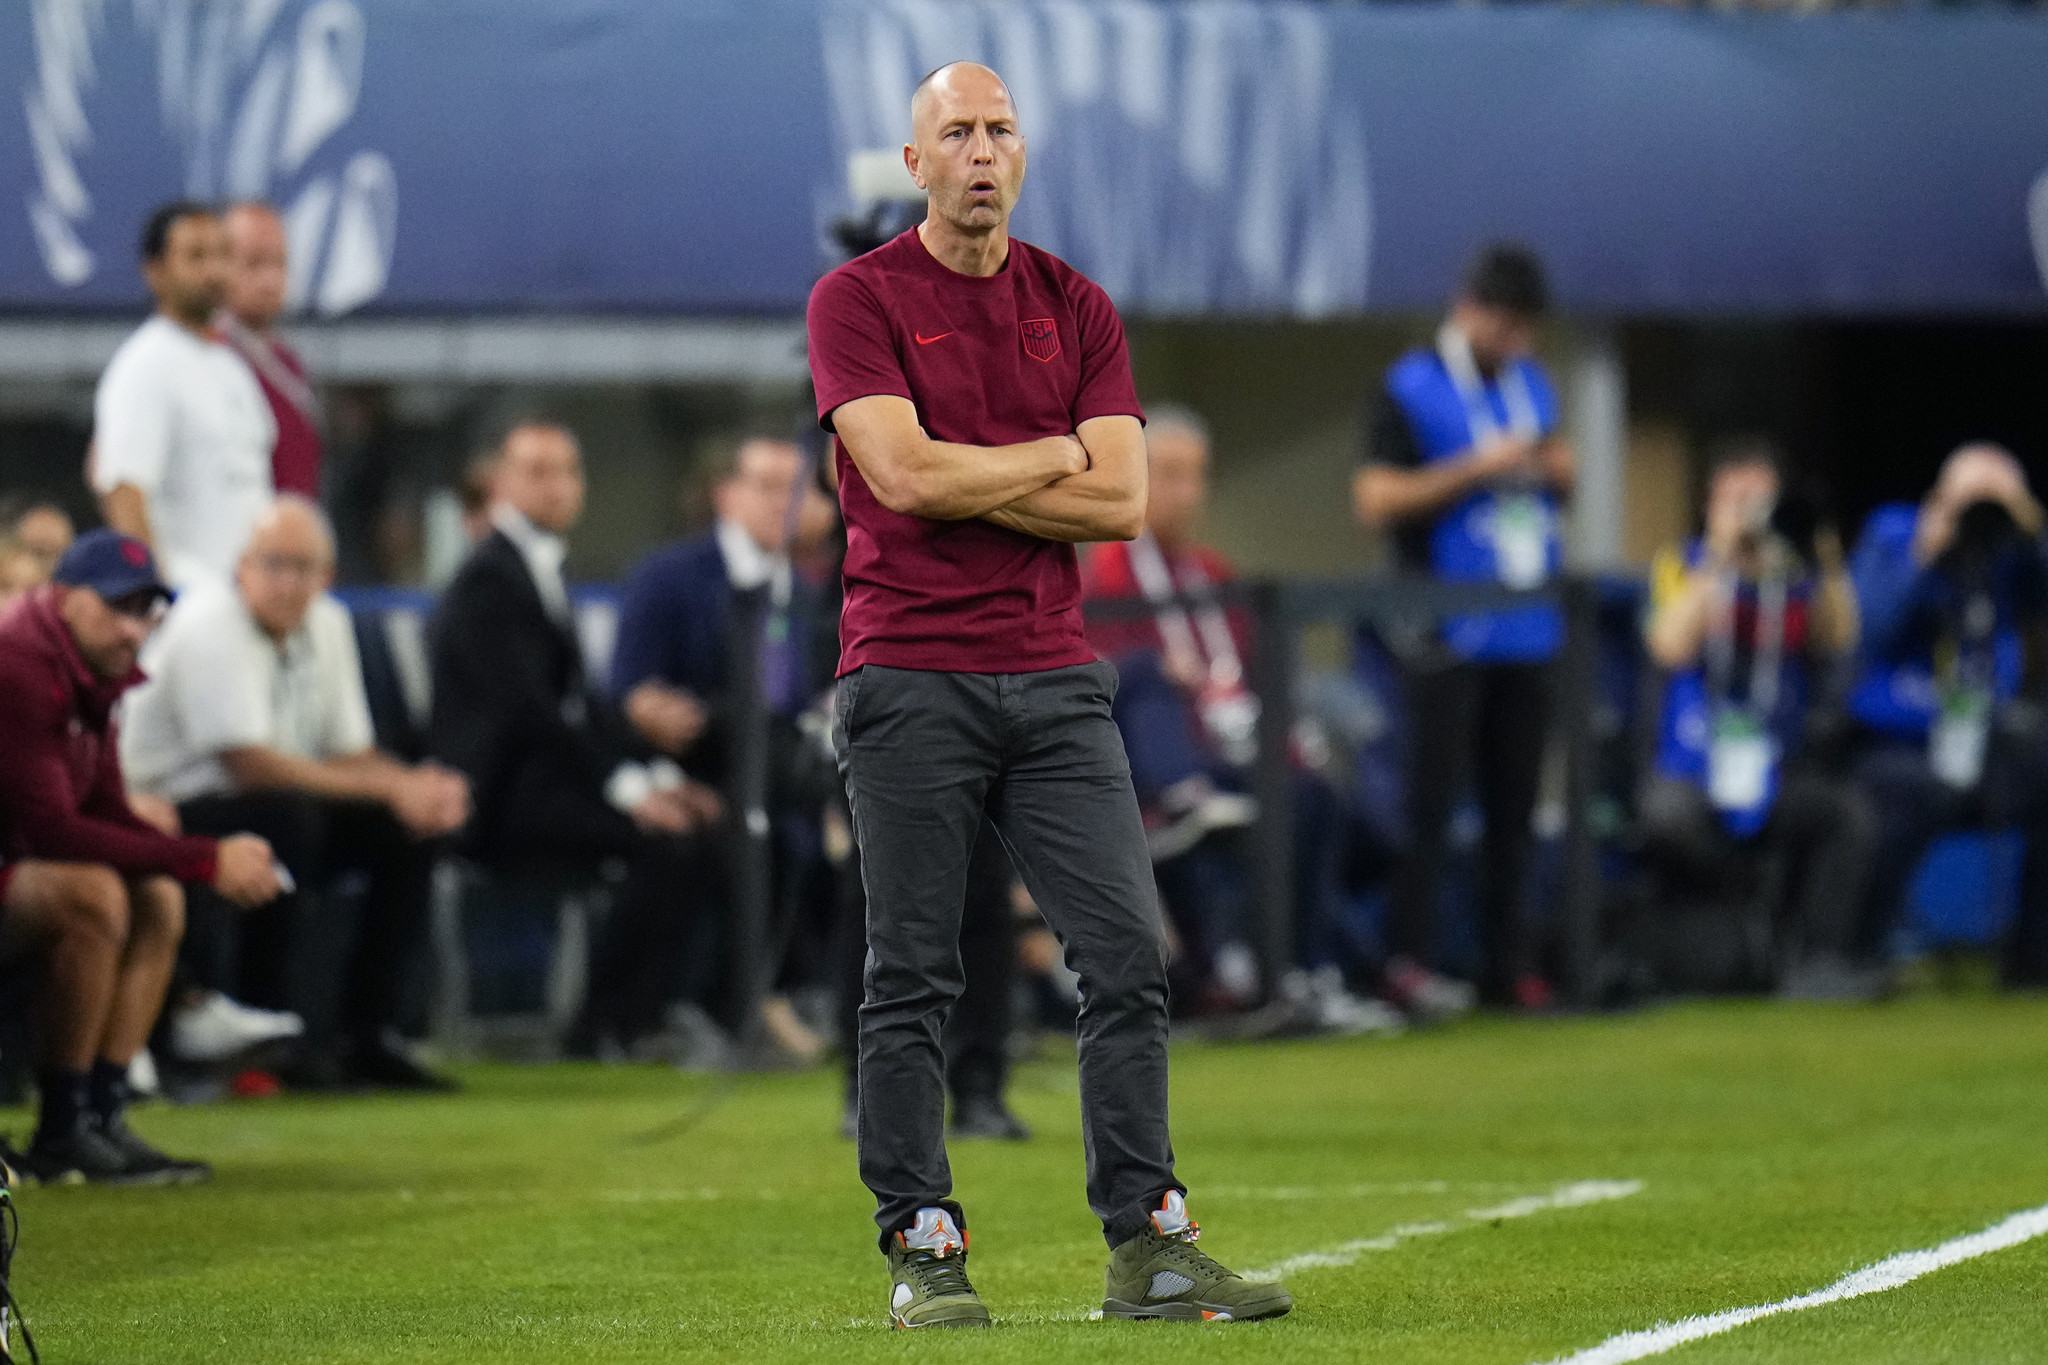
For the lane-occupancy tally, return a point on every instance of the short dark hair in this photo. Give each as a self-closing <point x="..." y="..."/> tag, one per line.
<point x="156" y="229"/>
<point x="1742" y="449"/>
<point x="1507" y="275"/>
<point x="723" y="462"/>
<point x="532" y="421"/>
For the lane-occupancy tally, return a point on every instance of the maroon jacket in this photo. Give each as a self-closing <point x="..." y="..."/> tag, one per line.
<point x="61" y="794"/>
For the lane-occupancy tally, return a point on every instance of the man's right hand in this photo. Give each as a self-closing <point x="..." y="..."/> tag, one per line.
<point x="245" y="871"/>
<point x="1503" y="456"/>
<point x="1078" y="459"/>
<point x="667" y="717"/>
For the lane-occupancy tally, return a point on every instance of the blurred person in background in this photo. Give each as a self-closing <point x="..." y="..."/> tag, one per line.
<point x="86" y="884"/>
<point x="558" y="777"/>
<point x="182" y="434"/>
<point x="258" y="275"/>
<point x="976" y="1035"/>
<point x="1465" y="470"/>
<point x="1188" y="719"/>
<point x="33" y="537"/>
<point x="1746" y="621"/>
<point x="254" y="717"/>
<point x="672" y="672"/>
<point x="1955" y="678"/>
<point x="672" y="662"/>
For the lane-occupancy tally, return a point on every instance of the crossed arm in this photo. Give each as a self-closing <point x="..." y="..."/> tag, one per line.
<point x="1087" y="486"/>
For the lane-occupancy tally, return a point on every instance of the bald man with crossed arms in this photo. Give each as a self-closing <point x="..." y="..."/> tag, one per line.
<point x="986" y="419"/>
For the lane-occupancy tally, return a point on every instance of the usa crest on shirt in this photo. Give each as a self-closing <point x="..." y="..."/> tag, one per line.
<point x="1041" y="338"/>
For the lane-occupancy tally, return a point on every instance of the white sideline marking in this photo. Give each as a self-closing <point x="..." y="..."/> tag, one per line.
<point x="1270" y="1193"/>
<point x="1889" y="1273"/>
<point x="1570" y="1196"/>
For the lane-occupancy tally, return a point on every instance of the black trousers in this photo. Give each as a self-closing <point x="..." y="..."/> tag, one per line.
<point x="1490" y="720"/>
<point x="662" y="939"/>
<point x="926" y="757"/>
<point x="661" y="942"/>
<point x="977" y="1033"/>
<point x="1821" y="823"/>
<point x="348" y="978"/>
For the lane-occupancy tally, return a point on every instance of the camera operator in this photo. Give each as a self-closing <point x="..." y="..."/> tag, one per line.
<point x="1736" y="620"/>
<point x="1955" y="675"/>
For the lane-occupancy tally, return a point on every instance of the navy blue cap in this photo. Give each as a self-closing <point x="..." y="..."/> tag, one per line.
<point x="111" y="564"/>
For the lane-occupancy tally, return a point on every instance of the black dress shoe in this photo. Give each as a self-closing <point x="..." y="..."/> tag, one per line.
<point x="146" y="1165"/>
<point x="987" y="1117"/>
<point x="79" y="1157"/>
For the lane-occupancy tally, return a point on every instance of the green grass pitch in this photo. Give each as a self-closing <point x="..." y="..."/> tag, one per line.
<point x="530" y="1220"/>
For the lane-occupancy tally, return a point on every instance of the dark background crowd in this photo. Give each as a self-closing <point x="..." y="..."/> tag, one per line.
<point x="262" y="833"/>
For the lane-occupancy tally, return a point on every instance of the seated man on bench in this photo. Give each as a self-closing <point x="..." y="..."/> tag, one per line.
<point x="87" y="885"/>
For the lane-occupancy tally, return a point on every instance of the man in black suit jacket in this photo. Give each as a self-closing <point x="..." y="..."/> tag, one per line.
<point x="555" y="774"/>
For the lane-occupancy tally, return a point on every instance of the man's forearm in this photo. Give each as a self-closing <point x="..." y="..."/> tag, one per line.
<point x="1071" y="531"/>
<point x="1837" y="620"/>
<point x="910" y="473"/>
<point x="126" y="509"/>
<point x="1385" y="495"/>
<point x="357" y="777"/>
<point x="949" y="482"/>
<point x="1076" y="509"/>
<point x="1678" y="629"/>
<point x="1106" y="502"/>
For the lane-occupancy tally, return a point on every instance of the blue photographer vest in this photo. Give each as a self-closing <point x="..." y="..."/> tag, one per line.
<point x="1506" y="536"/>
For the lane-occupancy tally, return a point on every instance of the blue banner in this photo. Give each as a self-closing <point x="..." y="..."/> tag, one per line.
<point x="1211" y="156"/>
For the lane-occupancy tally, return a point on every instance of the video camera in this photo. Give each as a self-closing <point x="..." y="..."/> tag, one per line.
<point x="1798" y="517"/>
<point x="887" y="202"/>
<point x="1985" y="530"/>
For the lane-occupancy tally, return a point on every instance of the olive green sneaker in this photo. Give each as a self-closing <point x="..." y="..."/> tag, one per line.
<point x="1160" y="1274"/>
<point x="928" y="1267"/>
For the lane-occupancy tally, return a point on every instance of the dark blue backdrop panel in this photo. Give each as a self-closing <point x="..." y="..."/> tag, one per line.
<point x="1225" y="157"/>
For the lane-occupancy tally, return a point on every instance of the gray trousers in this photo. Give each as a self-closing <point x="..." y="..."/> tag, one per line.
<point x="925" y="755"/>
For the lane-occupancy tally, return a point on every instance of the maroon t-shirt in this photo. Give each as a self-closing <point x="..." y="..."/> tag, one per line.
<point x="1032" y="351"/>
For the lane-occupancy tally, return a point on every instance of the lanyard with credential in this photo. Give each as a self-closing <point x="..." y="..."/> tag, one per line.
<point x="1512" y="518"/>
<point x="1966" y="682"/>
<point x="1766" y="658"/>
<point x="1455" y="349"/>
<point x="1155" y="580"/>
<point x="1972" y="664"/>
<point x="1742" y="757"/>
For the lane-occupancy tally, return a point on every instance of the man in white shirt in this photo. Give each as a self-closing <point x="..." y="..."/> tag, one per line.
<point x="255" y="718"/>
<point x="182" y="433"/>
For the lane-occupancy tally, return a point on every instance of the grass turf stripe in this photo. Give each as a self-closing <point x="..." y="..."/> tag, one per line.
<point x="1574" y="1195"/>
<point x="1890" y="1273"/>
